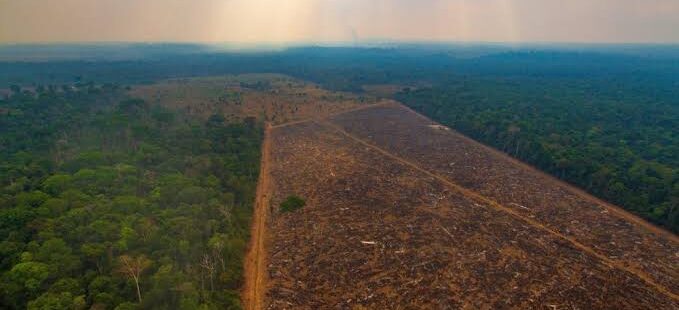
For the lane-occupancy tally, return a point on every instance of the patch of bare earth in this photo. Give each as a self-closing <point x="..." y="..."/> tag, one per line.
<point x="402" y="214"/>
<point x="272" y="98"/>
<point x="255" y="258"/>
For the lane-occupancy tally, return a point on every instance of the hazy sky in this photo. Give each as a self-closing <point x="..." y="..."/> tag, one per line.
<point x="339" y="20"/>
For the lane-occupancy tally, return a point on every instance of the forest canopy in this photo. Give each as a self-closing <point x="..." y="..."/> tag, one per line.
<point x="107" y="202"/>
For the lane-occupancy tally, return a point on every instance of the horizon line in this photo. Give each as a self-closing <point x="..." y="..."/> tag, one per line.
<point x="359" y="43"/>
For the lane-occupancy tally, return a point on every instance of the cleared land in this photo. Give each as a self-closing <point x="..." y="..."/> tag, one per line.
<point x="614" y="233"/>
<point x="403" y="213"/>
<point x="271" y="98"/>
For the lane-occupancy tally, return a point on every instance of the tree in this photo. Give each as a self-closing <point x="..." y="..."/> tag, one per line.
<point x="132" y="267"/>
<point x="55" y="301"/>
<point x="57" y="183"/>
<point x="126" y="306"/>
<point x="58" y="255"/>
<point x="292" y="203"/>
<point x="25" y="280"/>
<point x="208" y="264"/>
<point x="216" y="243"/>
<point x="94" y="252"/>
<point x="145" y="228"/>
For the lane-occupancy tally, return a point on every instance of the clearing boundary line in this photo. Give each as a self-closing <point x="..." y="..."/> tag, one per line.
<point x="578" y="191"/>
<point x="474" y="195"/>
<point x="255" y="259"/>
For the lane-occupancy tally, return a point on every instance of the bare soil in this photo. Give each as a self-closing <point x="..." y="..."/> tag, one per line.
<point x="272" y="98"/>
<point x="255" y="258"/>
<point x="403" y="214"/>
<point x="609" y="230"/>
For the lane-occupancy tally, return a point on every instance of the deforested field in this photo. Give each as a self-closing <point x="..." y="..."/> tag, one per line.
<point x="403" y="213"/>
<point x="273" y="98"/>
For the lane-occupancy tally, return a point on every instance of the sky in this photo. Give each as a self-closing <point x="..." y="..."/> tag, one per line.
<point x="304" y="21"/>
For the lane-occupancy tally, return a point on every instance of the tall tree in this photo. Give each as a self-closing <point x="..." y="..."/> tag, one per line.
<point x="132" y="267"/>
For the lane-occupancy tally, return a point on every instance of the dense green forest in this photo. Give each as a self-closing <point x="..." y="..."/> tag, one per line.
<point x="108" y="202"/>
<point x="620" y="145"/>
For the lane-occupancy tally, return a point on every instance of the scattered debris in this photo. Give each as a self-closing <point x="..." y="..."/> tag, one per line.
<point x="518" y="205"/>
<point x="439" y="127"/>
<point x="465" y="253"/>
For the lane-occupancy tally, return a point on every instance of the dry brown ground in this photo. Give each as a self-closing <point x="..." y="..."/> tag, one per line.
<point x="269" y="97"/>
<point x="255" y="259"/>
<point x="402" y="214"/>
<point x="609" y="230"/>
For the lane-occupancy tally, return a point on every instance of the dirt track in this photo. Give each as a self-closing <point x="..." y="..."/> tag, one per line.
<point x="391" y="223"/>
<point x="255" y="260"/>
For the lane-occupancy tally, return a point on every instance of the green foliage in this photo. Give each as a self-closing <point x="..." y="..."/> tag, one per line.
<point x="57" y="183"/>
<point x="28" y="276"/>
<point x="85" y="182"/>
<point x="126" y="306"/>
<point x="57" y="301"/>
<point x="292" y="203"/>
